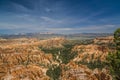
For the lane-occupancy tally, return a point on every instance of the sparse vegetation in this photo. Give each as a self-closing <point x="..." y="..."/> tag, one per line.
<point x="62" y="56"/>
<point x="93" y="64"/>
<point x="54" y="72"/>
<point x="65" y="54"/>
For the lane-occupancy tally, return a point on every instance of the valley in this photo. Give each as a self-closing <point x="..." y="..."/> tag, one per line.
<point x="55" y="59"/>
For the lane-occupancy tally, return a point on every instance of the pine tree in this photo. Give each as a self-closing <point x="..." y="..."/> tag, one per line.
<point x="114" y="58"/>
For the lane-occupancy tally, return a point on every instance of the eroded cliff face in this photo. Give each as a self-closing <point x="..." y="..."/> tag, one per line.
<point x="108" y="39"/>
<point x="91" y="52"/>
<point x="99" y="49"/>
<point x="82" y="72"/>
<point x="22" y="59"/>
<point x="21" y="72"/>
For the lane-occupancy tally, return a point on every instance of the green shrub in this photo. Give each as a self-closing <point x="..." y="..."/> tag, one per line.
<point x="54" y="72"/>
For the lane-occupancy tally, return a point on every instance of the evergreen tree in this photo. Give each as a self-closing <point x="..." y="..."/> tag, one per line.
<point x="114" y="58"/>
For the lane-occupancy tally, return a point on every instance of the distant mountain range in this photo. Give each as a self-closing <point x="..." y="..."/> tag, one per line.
<point x="51" y="35"/>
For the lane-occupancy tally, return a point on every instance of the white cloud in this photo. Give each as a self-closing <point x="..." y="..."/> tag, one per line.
<point x="48" y="10"/>
<point x="59" y="29"/>
<point x="15" y="26"/>
<point x="19" y="7"/>
<point x="95" y="27"/>
<point x="50" y="20"/>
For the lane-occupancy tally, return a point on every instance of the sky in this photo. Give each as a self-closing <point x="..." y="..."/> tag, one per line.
<point x="59" y="16"/>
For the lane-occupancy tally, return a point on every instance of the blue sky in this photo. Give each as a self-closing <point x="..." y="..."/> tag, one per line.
<point x="59" y="16"/>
